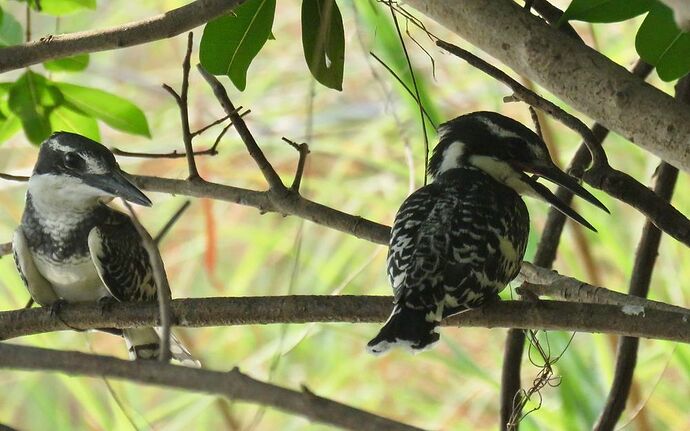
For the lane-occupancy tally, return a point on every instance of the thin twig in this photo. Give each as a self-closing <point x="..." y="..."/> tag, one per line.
<point x="9" y="177"/>
<point x="162" y="286"/>
<point x="215" y="123"/>
<point x="418" y="97"/>
<point x="531" y="98"/>
<point x="397" y="78"/>
<point x="272" y="177"/>
<point x="232" y="384"/>
<point x="171" y="222"/>
<point x="211" y="151"/>
<point x="303" y="150"/>
<point x="182" y="103"/>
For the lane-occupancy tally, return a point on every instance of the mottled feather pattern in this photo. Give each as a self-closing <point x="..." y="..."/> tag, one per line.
<point x="456" y="243"/>
<point x="123" y="262"/>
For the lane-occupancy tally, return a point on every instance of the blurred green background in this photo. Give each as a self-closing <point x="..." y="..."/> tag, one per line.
<point x="366" y="156"/>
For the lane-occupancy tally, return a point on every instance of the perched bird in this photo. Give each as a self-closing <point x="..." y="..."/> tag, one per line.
<point x="72" y="247"/>
<point x="458" y="241"/>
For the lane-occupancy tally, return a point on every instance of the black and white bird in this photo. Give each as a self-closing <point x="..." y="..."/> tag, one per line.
<point x="457" y="242"/>
<point x="72" y="247"/>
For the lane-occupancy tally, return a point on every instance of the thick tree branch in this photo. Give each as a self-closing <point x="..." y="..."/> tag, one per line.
<point x="233" y="385"/>
<point x="162" y="26"/>
<point x="549" y="315"/>
<point x="583" y="78"/>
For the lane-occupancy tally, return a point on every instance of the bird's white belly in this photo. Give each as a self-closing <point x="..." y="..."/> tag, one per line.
<point x="74" y="281"/>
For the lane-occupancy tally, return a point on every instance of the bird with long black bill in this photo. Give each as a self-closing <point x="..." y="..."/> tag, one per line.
<point x="458" y="241"/>
<point x="72" y="247"/>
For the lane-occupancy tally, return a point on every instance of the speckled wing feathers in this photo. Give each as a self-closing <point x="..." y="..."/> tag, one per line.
<point x="121" y="260"/>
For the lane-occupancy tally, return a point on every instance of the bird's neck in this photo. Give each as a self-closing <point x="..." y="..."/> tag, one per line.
<point x="56" y="197"/>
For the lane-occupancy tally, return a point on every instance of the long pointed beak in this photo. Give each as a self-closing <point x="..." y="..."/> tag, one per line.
<point x="116" y="184"/>
<point x="543" y="192"/>
<point x="555" y="175"/>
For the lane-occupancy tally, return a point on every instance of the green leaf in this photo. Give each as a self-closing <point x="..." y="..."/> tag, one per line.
<point x="9" y="127"/>
<point x="66" y="7"/>
<point x="11" y="32"/>
<point x="660" y="43"/>
<point x="323" y="40"/>
<point x="230" y="43"/>
<point x="115" y="111"/>
<point x="76" y="63"/>
<point x="605" y="10"/>
<point x="65" y="119"/>
<point x="31" y="100"/>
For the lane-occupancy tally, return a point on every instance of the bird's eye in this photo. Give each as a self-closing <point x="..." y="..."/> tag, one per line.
<point x="73" y="161"/>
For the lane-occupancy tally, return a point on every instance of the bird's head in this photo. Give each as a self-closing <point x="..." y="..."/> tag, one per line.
<point x="73" y="170"/>
<point x="507" y="151"/>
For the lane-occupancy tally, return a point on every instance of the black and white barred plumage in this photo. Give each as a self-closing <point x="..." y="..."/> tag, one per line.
<point x="72" y="247"/>
<point x="457" y="242"/>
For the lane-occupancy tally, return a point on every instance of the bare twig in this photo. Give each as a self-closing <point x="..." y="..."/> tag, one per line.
<point x="274" y="181"/>
<point x="162" y="286"/>
<point x="397" y="78"/>
<point x="531" y="98"/>
<point x="232" y="385"/>
<point x="162" y="26"/>
<point x="542" y="281"/>
<point x="215" y="123"/>
<point x="9" y="177"/>
<point x="171" y="222"/>
<point x="182" y="103"/>
<point x="211" y="151"/>
<point x="203" y="312"/>
<point x="303" y="150"/>
<point x="418" y="96"/>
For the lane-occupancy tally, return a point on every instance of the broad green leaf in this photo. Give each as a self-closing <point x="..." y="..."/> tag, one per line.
<point x="660" y="43"/>
<point x="605" y="10"/>
<point x="114" y="110"/>
<point x="65" y="7"/>
<point x="75" y="63"/>
<point x="230" y="43"/>
<point x="10" y="31"/>
<point x="1" y="14"/>
<point x="323" y="40"/>
<point x="65" y="119"/>
<point x="9" y="127"/>
<point x="31" y="99"/>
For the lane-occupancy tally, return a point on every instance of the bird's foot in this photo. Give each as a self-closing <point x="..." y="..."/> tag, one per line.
<point x="106" y="303"/>
<point x="55" y="310"/>
<point x="56" y="307"/>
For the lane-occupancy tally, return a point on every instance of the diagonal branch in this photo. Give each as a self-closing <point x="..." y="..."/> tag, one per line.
<point x="233" y="385"/>
<point x="274" y="181"/>
<point x="166" y="25"/>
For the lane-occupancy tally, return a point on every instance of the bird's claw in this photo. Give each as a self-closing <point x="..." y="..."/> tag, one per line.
<point x="106" y="303"/>
<point x="56" y="307"/>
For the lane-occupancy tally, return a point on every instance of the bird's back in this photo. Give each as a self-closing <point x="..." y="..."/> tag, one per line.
<point x="457" y="242"/>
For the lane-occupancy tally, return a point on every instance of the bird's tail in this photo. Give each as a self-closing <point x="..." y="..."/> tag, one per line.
<point x="144" y="343"/>
<point x="407" y="328"/>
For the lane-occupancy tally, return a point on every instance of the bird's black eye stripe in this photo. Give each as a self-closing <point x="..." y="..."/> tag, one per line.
<point x="74" y="161"/>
